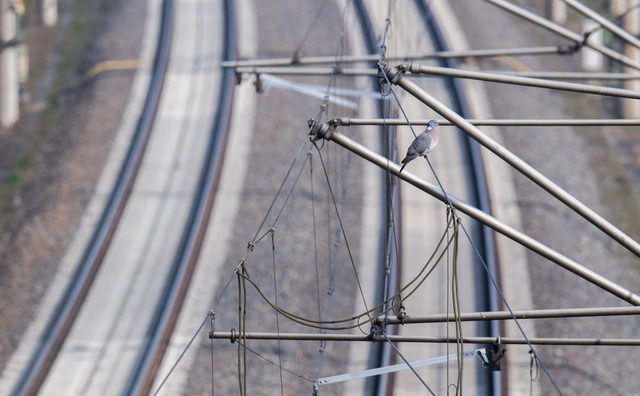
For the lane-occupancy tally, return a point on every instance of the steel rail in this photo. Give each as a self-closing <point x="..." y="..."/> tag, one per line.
<point x="396" y="77"/>
<point x="234" y="336"/>
<point x="328" y="132"/>
<point x="345" y="121"/>
<point x="615" y="29"/>
<point x="70" y="304"/>
<point x="564" y="32"/>
<point x="142" y="378"/>
<point x="506" y="315"/>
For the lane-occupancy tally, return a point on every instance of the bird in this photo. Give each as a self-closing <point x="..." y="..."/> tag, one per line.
<point x="422" y="144"/>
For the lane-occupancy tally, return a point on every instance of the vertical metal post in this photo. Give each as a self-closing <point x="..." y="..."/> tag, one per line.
<point x="9" y="87"/>
<point x="557" y="11"/>
<point x="631" y="23"/>
<point x="49" y="12"/>
<point x="592" y="60"/>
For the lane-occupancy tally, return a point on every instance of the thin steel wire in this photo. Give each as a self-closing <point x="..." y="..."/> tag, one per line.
<point x="408" y="364"/>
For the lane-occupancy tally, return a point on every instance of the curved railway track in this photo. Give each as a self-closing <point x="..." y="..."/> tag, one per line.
<point x="67" y="310"/>
<point x="168" y="303"/>
<point x="168" y="309"/>
<point x="150" y="349"/>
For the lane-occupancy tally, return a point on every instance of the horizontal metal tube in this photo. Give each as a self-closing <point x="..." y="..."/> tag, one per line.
<point x="308" y="71"/>
<point x="572" y="75"/>
<point x="532" y="79"/>
<point x="505" y="315"/>
<point x="527" y="170"/>
<point x="342" y="59"/>
<point x="484" y="218"/>
<point x="489" y="122"/>
<point x="523" y="81"/>
<point x="234" y="336"/>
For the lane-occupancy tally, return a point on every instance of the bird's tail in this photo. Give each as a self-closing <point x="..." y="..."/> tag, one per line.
<point x="402" y="167"/>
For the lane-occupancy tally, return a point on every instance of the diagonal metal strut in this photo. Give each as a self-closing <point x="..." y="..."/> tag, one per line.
<point x="396" y="77"/>
<point x="328" y="132"/>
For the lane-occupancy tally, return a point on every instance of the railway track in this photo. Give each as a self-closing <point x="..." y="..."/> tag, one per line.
<point x="128" y="365"/>
<point x="381" y="354"/>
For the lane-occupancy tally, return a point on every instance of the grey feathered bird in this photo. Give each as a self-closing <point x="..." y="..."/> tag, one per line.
<point x="422" y="144"/>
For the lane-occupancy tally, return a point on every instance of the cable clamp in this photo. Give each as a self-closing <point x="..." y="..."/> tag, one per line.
<point x="402" y="314"/>
<point x="376" y="331"/>
<point x="497" y="353"/>
<point x="233" y="336"/>
<point x="212" y="317"/>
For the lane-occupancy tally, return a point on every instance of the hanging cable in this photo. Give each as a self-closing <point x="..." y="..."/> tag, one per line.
<point x="409" y="289"/>
<point x="533" y="371"/>
<point x="275" y="289"/>
<point x="296" y="52"/>
<point x="212" y="315"/>
<point x="195" y="334"/>
<point x="344" y="234"/>
<point x="271" y="362"/>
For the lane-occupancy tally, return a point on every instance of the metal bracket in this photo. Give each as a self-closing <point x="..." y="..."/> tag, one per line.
<point x="323" y="131"/>
<point x="392" y="369"/>
<point x="495" y="355"/>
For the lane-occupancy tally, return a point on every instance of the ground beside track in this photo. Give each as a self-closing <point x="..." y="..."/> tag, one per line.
<point x="60" y="157"/>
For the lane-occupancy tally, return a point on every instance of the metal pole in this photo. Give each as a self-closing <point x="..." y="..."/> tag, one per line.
<point x="307" y="71"/>
<point x="49" y="12"/>
<point x="531" y="79"/>
<point x="574" y="75"/>
<point x="568" y="34"/>
<point x="486" y="122"/>
<point x="505" y="315"/>
<point x="235" y="336"/>
<point x="631" y="24"/>
<point x="525" y="81"/>
<point x="329" y="133"/>
<point x="631" y="39"/>
<point x="398" y="78"/>
<point x="342" y="59"/>
<point x="9" y="82"/>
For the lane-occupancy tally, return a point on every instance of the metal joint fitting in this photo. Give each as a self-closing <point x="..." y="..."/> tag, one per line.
<point x="323" y="131"/>
<point x="394" y="74"/>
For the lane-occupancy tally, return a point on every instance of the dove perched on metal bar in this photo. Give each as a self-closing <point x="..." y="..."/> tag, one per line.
<point x="422" y="144"/>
